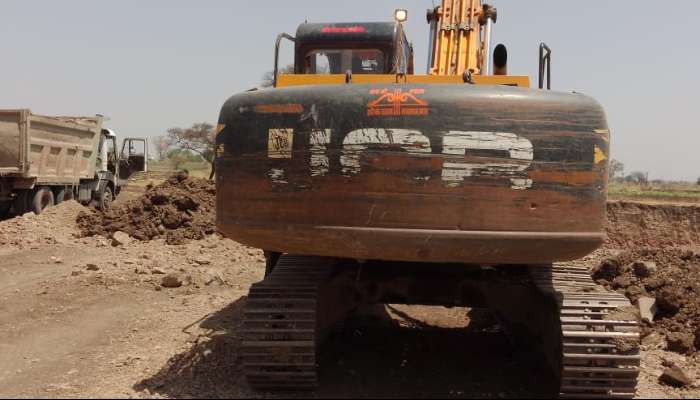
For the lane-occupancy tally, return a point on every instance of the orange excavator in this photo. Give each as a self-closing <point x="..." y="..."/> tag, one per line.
<point x="366" y="183"/>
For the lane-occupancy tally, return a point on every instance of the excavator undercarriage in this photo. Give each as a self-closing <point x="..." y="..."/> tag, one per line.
<point x="589" y="337"/>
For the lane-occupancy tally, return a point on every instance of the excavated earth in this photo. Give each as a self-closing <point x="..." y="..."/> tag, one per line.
<point x="146" y="301"/>
<point x="179" y="210"/>
<point x="654" y="252"/>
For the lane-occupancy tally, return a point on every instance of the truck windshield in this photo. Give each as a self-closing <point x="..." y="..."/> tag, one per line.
<point x="338" y="61"/>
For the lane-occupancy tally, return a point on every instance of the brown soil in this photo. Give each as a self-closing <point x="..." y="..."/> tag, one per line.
<point x="80" y="317"/>
<point x="675" y="286"/>
<point x="655" y="254"/>
<point x="178" y="210"/>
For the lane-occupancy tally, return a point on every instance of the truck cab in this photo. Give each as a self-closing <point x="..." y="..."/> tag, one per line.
<point x="114" y="169"/>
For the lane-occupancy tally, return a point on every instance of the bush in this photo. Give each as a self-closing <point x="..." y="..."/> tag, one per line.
<point x="178" y="157"/>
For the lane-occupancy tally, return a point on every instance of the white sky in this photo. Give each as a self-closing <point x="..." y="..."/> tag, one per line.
<point x="163" y="63"/>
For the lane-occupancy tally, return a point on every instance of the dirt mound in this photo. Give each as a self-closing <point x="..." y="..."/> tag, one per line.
<point x="179" y="210"/>
<point x="672" y="278"/>
<point x="54" y="225"/>
<point x="657" y="254"/>
<point x="640" y="225"/>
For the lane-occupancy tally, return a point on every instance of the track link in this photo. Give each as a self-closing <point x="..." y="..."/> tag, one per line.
<point x="599" y="334"/>
<point x="280" y="328"/>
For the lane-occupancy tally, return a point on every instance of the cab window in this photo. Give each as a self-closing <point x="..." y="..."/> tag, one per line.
<point x="337" y="61"/>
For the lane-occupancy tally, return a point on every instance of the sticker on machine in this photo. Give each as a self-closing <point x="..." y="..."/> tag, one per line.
<point x="279" y="143"/>
<point x="396" y="102"/>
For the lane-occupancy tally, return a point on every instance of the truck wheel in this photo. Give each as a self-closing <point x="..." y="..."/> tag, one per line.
<point x="21" y="204"/>
<point x="43" y="198"/>
<point x="5" y="208"/>
<point x="105" y="200"/>
<point x="60" y="195"/>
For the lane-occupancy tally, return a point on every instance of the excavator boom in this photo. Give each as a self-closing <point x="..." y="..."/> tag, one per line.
<point x="459" y="37"/>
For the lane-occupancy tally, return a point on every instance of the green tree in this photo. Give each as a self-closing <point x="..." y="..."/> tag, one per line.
<point x="638" y="177"/>
<point x="617" y="169"/>
<point x="161" y="144"/>
<point x="198" y="139"/>
<point x="178" y="157"/>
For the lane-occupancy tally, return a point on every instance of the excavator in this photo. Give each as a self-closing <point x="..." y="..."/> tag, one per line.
<point x="366" y="183"/>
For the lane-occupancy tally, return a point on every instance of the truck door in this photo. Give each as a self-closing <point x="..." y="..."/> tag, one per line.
<point x="133" y="158"/>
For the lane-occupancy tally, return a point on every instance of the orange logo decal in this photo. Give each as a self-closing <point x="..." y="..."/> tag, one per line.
<point x="396" y="102"/>
<point x="279" y="108"/>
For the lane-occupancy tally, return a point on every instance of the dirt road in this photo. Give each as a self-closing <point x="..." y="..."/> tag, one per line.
<point x="80" y="317"/>
<point x="68" y="331"/>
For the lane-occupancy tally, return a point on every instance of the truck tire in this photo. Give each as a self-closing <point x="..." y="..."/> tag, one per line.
<point x="21" y="204"/>
<point x="104" y="202"/>
<point x="60" y="195"/>
<point x="43" y="198"/>
<point x="5" y="208"/>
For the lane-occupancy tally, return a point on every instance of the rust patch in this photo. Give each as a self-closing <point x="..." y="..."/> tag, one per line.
<point x="279" y="108"/>
<point x="572" y="178"/>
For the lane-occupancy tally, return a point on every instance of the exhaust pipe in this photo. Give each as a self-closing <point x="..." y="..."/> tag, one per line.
<point x="487" y="47"/>
<point x="500" y="60"/>
<point x="487" y="19"/>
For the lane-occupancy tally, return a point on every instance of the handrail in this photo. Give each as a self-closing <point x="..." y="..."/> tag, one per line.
<point x="277" y="54"/>
<point x="545" y="63"/>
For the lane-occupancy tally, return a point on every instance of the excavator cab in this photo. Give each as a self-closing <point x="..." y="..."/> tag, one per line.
<point x="357" y="48"/>
<point x="335" y="50"/>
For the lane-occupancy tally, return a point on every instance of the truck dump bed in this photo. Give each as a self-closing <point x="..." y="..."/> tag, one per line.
<point x="58" y="150"/>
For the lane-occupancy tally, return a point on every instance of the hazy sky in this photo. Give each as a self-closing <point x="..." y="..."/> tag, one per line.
<point x="152" y="65"/>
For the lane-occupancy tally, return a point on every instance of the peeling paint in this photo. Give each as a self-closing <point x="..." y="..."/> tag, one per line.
<point x="356" y="142"/>
<point x="319" y="141"/>
<point x="312" y="115"/>
<point x="458" y="143"/>
<point x="277" y="176"/>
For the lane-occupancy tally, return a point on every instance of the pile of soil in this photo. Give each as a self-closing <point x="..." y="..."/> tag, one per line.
<point x="178" y="210"/>
<point x="672" y="277"/>
<point x="53" y="226"/>
<point x="656" y="253"/>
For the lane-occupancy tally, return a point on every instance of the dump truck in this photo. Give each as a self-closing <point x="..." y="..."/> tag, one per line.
<point x="366" y="183"/>
<point x="47" y="160"/>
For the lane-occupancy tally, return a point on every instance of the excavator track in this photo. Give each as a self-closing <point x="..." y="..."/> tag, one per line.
<point x="281" y="327"/>
<point x="599" y="352"/>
